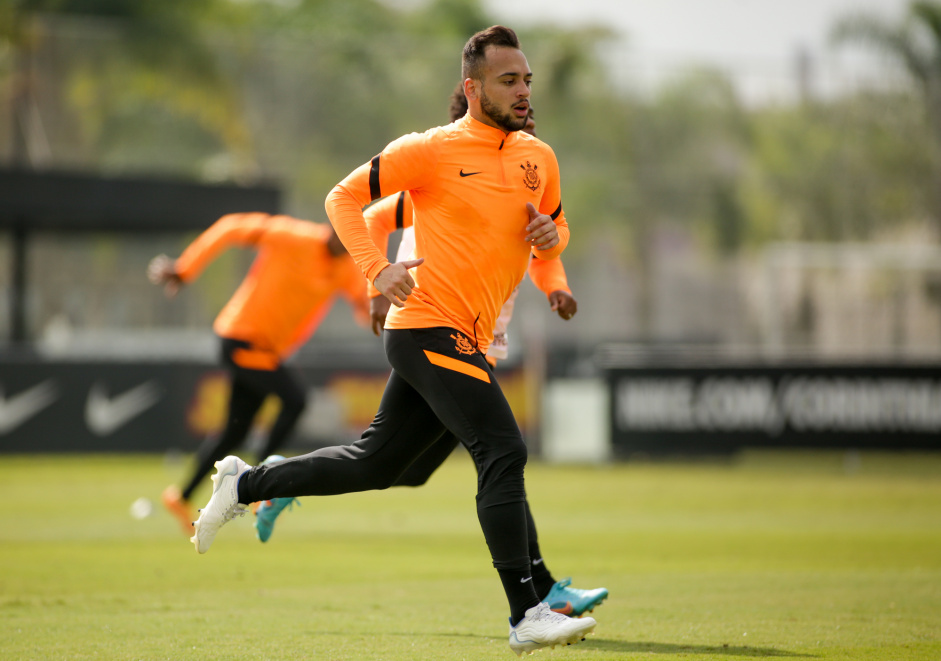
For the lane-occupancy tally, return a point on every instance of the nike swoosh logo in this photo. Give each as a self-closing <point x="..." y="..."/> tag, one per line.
<point x="105" y="415"/>
<point x="468" y="174"/>
<point x="526" y="580"/>
<point x="21" y="407"/>
<point x="538" y="561"/>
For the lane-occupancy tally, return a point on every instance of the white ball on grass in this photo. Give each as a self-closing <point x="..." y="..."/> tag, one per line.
<point x="142" y="508"/>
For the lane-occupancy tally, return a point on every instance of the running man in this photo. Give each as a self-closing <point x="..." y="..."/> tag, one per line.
<point x="395" y="212"/>
<point x="486" y="197"/>
<point x="299" y="269"/>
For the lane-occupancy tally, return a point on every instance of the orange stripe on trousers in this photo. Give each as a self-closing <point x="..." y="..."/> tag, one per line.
<point x="457" y="366"/>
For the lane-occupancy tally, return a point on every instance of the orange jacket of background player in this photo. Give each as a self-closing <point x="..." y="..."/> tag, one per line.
<point x="288" y="290"/>
<point x="469" y="184"/>
<point x="395" y="212"/>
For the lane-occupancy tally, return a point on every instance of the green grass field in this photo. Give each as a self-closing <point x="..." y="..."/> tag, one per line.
<point x="781" y="555"/>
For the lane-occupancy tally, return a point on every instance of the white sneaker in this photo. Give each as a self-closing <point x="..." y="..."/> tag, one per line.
<point x="542" y="627"/>
<point x="224" y="504"/>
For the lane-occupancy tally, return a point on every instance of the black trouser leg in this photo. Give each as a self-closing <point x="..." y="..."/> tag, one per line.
<point x="542" y="577"/>
<point x="429" y="461"/>
<point x="249" y="389"/>
<point x="293" y="398"/>
<point x="375" y="461"/>
<point x="244" y="403"/>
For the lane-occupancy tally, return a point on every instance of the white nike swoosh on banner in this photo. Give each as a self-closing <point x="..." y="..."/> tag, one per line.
<point x="105" y="415"/>
<point x="21" y="407"/>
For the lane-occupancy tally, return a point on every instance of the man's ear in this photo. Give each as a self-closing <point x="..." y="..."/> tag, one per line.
<point x="471" y="88"/>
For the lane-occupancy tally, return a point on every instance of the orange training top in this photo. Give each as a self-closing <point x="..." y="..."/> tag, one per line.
<point x="289" y="288"/>
<point x="395" y="212"/>
<point x="469" y="184"/>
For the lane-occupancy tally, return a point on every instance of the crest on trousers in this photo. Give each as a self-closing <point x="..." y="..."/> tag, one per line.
<point x="531" y="177"/>
<point x="463" y="345"/>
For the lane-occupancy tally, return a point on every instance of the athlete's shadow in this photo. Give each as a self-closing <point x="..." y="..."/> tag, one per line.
<point x="608" y="645"/>
<point x="627" y="646"/>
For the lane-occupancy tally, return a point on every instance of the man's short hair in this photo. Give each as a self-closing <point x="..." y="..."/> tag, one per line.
<point x="474" y="50"/>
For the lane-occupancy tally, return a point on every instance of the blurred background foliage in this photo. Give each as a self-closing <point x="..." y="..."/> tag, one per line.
<point x="299" y="92"/>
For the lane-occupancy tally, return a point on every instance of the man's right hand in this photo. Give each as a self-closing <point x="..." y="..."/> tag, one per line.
<point x="378" y="309"/>
<point x="162" y="271"/>
<point x="395" y="282"/>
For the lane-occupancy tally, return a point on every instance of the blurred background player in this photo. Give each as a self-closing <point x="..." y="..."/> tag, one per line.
<point x="300" y="268"/>
<point x="395" y="212"/>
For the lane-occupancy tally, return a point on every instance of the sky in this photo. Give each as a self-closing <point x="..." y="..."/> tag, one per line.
<point x="756" y="41"/>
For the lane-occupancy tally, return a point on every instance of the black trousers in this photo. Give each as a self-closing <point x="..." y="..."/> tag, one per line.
<point x="249" y="390"/>
<point x="439" y="385"/>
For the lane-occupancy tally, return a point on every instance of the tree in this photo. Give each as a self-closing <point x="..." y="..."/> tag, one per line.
<point x="916" y="43"/>
<point x="156" y="61"/>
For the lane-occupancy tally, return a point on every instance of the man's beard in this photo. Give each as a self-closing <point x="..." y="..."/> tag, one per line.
<point x="506" y="121"/>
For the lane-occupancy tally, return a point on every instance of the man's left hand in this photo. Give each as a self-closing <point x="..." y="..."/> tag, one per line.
<point x="563" y="303"/>
<point x="541" y="232"/>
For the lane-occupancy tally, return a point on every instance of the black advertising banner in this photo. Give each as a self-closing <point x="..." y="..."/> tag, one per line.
<point x="51" y="406"/>
<point x="154" y="407"/>
<point x="703" y="410"/>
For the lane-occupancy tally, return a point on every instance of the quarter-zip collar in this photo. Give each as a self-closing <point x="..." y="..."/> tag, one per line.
<point x="487" y="133"/>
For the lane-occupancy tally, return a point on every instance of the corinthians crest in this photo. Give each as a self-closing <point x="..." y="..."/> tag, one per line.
<point x="463" y="345"/>
<point x="531" y="178"/>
